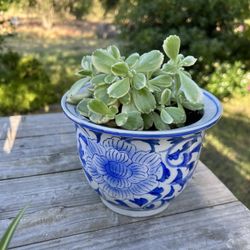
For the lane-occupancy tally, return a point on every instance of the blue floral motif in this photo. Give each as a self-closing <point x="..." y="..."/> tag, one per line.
<point x="137" y="174"/>
<point x="120" y="170"/>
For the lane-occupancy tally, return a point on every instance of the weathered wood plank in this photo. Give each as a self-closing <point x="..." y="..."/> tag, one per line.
<point x="41" y="169"/>
<point x="37" y="146"/>
<point x="221" y="227"/>
<point x="63" y="204"/>
<point x="37" y="165"/>
<point x="34" y="125"/>
<point x="71" y="189"/>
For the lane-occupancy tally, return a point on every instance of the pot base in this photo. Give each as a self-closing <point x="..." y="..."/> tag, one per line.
<point x="134" y="213"/>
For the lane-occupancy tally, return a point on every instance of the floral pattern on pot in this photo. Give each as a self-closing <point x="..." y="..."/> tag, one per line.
<point x="120" y="170"/>
<point x="134" y="173"/>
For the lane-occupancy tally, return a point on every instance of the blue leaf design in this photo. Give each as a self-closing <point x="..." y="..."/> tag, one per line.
<point x="157" y="191"/>
<point x="140" y="202"/>
<point x="178" y="178"/>
<point x="150" y="206"/>
<point x="83" y="138"/>
<point x="190" y="165"/>
<point x="98" y="136"/>
<point x="171" y="192"/>
<point x="165" y="173"/>
<point x="197" y="148"/>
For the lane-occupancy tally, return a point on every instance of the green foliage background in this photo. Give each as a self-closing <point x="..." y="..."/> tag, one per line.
<point x="217" y="32"/>
<point x="214" y="31"/>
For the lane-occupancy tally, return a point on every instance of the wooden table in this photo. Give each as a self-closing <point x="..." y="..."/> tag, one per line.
<point x="39" y="167"/>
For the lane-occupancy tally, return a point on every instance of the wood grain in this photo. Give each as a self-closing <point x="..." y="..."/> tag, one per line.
<point x="36" y="125"/>
<point x="42" y="169"/>
<point x="71" y="189"/>
<point x="221" y="227"/>
<point x="63" y="204"/>
<point x="38" y="146"/>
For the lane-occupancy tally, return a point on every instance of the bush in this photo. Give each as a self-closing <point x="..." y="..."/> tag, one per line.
<point x="229" y="80"/>
<point x="213" y="31"/>
<point x="80" y="8"/>
<point x="24" y="84"/>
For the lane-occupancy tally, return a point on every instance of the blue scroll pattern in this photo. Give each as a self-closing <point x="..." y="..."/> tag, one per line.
<point x="133" y="176"/>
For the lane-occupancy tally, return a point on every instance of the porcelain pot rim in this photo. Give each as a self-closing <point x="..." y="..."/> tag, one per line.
<point x="212" y="112"/>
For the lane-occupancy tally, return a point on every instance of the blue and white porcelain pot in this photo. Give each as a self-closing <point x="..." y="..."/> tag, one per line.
<point x="137" y="173"/>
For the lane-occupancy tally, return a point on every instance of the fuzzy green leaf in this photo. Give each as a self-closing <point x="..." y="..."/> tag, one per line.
<point x="148" y="120"/>
<point x="144" y="100"/>
<point x="188" y="61"/>
<point x="139" y="80"/>
<point x="166" y="117"/>
<point x="120" y="69"/>
<point x="114" y="51"/>
<point x="82" y="107"/>
<point x="178" y="114"/>
<point x="103" y="60"/>
<point x="171" y="46"/>
<point x="149" y="62"/>
<point x="74" y="99"/>
<point x="86" y="63"/>
<point x="191" y="90"/>
<point x="119" y="88"/>
<point x="169" y="68"/>
<point x="101" y="94"/>
<point x="162" y="81"/>
<point x="159" y="124"/>
<point x="75" y="88"/>
<point x="188" y="105"/>
<point x="98" y="107"/>
<point x="5" y="240"/>
<point x="109" y="79"/>
<point x="98" y="79"/>
<point x="126" y="108"/>
<point x="132" y="59"/>
<point x="125" y="99"/>
<point x="134" y="121"/>
<point x="84" y="73"/>
<point x="121" y="119"/>
<point x="100" y="119"/>
<point x="165" y="97"/>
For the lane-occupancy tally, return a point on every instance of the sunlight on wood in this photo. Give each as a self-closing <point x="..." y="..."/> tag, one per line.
<point x="14" y="122"/>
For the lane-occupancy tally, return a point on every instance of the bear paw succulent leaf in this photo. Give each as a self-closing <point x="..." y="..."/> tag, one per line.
<point x="149" y="62"/>
<point x="120" y="69"/>
<point x="139" y="81"/>
<point x="103" y="60"/>
<point x="134" y="121"/>
<point x="177" y="113"/>
<point x="132" y="59"/>
<point x="114" y="51"/>
<point x="137" y="92"/>
<point x="158" y="123"/>
<point x="119" y="88"/>
<point x="171" y="46"/>
<point x="144" y="100"/>
<point x="165" y="97"/>
<point x="166" y="117"/>
<point x="99" y="107"/>
<point x="188" y="61"/>
<point x="190" y="89"/>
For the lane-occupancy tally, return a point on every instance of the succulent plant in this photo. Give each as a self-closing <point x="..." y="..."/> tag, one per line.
<point x="138" y="92"/>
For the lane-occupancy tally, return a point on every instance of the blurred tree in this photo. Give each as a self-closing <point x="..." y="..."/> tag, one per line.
<point x="211" y="30"/>
<point x="5" y="24"/>
<point x="79" y="8"/>
<point x="49" y="9"/>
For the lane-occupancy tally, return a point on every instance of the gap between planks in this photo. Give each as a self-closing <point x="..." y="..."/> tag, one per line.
<point x="199" y="223"/>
